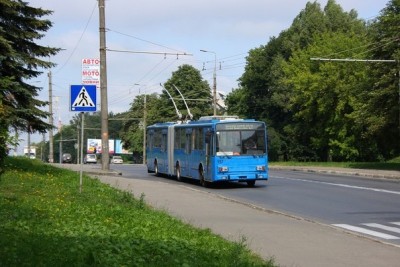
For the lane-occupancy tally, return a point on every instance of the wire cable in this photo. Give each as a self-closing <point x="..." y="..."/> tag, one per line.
<point x="143" y="40"/>
<point x="380" y="44"/>
<point x="77" y="44"/>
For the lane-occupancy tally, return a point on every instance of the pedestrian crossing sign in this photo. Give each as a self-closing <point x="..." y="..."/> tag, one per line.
<point x="83" y="98"/>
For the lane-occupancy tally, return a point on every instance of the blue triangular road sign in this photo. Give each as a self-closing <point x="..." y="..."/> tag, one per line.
<point x="83" y="97"/>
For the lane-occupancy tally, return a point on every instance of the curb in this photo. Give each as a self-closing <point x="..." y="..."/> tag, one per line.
<point x="90" y="170"/>
<point x="372" y="174"/>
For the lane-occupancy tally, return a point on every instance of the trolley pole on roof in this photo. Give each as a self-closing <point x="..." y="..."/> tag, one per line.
<point x="366" y="60"/>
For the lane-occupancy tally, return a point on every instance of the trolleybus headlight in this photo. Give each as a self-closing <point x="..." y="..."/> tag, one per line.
<point x="260" y="167"/>
<point x="223" y="169"/>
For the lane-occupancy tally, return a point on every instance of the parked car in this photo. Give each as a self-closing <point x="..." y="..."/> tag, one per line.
<point x="66" y="158"/>
<point x="90" y="158"/>
<point x="117" y="160"/>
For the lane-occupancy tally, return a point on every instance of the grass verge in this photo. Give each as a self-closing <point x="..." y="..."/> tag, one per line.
<point x="45" y="221"/>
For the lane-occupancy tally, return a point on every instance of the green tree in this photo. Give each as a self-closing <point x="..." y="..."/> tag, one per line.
<point x="269" y="96"/>
<point x="325" y="97"/>
<point x="381" y="108"/>
<point x="20" y="60"/>
<point x="3" y="137"/>
<point x="195" y="90"/>
<point x="159" y="108"/>
<point x="235" y="102"/>
<point x="132" y="129"/>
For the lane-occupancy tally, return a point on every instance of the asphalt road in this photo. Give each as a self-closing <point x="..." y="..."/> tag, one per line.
<point x="366" y="206"/>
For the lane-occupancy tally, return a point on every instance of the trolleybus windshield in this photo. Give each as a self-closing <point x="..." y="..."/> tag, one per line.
<point x="234" y="139"/>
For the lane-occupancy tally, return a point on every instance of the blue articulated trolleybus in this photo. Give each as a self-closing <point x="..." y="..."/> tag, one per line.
<point x="212" y="149"/>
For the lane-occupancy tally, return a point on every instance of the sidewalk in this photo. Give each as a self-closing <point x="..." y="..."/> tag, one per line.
<point x="291" y="241"/>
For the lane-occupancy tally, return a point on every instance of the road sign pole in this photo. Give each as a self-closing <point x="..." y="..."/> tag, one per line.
<point x="81" y="171"/>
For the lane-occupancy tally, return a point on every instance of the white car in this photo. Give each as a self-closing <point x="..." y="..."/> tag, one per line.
<point x="90" y="158"/>
<point x="117" y="160"/>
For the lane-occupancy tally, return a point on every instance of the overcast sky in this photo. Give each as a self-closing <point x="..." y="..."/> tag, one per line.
<point x="228" y="28"/>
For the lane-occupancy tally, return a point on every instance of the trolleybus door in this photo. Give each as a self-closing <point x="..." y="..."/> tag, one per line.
<point x="209" y="152"/>
<point x="188" y="152"/>
<point x="164" y="152"/>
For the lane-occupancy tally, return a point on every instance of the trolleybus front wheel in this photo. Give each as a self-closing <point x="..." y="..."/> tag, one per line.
<point x="251" y="183"/>
<point x="203" y="182"/>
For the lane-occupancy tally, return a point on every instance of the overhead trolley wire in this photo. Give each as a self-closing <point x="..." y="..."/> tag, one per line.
<point x="376" y="46"/>
<point x="120" y="97"/>
<point x="143" y="40"/>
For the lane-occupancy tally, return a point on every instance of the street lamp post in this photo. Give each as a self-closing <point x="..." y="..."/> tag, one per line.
<point x="144" y="129"/>
<point x="214" y="80"/>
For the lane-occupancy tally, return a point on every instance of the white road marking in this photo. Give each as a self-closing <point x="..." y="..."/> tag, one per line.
<point x="366" y="231"/>
<point x="383" y="227"/>
<point x="396" y="223"/>
<point x="344" y="185"/>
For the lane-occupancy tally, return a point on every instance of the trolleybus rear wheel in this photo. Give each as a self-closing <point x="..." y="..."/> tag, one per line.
<point x="178" y="173"/>
<point x="156" y="169"/>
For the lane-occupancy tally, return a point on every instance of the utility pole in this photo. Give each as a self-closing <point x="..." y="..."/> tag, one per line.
<point x="105" y="157"/>
<point x="60" y="146"/>
<point x="51" y="149"/>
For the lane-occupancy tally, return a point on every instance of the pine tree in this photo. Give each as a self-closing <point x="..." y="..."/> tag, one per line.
<point x="22" y="59"/>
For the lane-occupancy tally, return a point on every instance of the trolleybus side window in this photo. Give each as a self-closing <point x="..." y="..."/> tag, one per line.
<point x="177" y="142"/>
<point x="164" y="142"/>
<point x="182" y="138"/>
<point x="157" y="138"/>
<point x="193" y="137"/>
<point x="188" y="147"/>
<point x="149" y="139"/>
<point x="198" y="138"/>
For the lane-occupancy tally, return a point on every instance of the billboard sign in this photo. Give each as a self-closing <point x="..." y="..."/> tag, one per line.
<point x="114" y="146"/>
<point x="91" y="71"/>
<point x="119" y="148"/>
<point x="95" y="146"/>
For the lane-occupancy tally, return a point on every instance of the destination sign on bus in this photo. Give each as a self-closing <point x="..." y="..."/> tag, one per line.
<point x="238" y="126"/>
